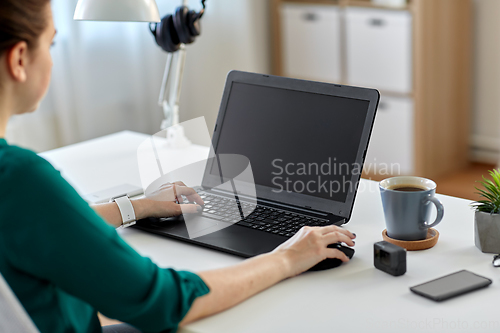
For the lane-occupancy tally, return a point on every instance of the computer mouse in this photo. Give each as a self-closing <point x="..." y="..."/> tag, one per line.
<point x="332" y="263"/>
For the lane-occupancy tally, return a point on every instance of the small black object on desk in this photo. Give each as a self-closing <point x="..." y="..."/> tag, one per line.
<point x="334" y="262"/>
<point x="496" y="260"/>
<point x="389" y="258"/>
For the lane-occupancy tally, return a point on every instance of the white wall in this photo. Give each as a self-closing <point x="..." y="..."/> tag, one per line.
<point x="486" y="85"/>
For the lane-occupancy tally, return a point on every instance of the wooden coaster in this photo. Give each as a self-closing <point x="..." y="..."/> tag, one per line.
<point x="430" y="241"/>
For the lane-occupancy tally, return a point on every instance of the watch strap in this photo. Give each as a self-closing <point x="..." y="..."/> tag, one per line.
<point x="126" y="210"/>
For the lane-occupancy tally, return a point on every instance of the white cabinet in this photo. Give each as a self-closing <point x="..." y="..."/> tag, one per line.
<point x="311" y="41"/>
<point x="391" y="148"/>
<point x="379" y="49"/>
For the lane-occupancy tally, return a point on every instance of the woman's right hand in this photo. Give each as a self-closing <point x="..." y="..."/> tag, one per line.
<point x="232" y="285"/>
<point x="309" y="246"/>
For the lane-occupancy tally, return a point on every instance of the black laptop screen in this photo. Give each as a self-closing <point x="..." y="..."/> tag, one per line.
<point x="296" y="141"/>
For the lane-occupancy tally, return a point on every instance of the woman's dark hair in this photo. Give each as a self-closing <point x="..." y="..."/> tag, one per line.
<point x="21" y="20"/>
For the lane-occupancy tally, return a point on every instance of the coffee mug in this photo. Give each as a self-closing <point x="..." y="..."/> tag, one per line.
<point x="407" y="206"/>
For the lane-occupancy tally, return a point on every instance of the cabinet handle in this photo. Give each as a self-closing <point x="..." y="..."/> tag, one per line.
<point x="310" y="17"/>
<point x="377" y="22"/>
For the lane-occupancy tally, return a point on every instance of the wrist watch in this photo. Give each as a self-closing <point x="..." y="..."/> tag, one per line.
<point x="126" y="210"/>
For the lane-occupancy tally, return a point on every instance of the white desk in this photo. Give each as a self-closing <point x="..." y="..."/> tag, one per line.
<point x="352" y="298"/>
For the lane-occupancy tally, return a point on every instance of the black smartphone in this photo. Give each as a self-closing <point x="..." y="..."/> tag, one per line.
<point x="451" y="285"/>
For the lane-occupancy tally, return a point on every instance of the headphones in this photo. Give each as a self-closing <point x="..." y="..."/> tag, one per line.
<point x="182" y="27"/>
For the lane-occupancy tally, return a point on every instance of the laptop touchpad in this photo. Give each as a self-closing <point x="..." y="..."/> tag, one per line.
<point x="198" y="226"/>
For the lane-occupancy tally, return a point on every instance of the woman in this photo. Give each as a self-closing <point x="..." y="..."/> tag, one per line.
<point x="59" y="256"/>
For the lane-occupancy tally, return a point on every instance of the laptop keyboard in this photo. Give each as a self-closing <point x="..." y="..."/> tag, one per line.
<point x="267" y="219"/>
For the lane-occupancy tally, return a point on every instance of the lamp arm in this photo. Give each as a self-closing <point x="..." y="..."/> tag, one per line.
<point x="170" y="91"/>
<point x="180" y="76"/>
<point x="164" y="83"/>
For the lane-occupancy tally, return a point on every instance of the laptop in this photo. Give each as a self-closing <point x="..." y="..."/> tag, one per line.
<point x="306" y="143"/>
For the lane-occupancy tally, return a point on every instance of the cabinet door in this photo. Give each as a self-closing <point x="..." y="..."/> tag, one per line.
<point x="391" y="148"/>
<point x="379" y="49"/>
<point x="311" y="41"/>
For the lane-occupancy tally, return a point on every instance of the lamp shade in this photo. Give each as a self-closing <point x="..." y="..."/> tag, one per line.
<point x="117" y="10"/>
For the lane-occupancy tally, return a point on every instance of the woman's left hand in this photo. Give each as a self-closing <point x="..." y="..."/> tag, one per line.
<point x="168" y="201"/>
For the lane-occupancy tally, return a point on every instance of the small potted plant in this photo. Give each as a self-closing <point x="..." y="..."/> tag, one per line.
<point x="487" y="216"/>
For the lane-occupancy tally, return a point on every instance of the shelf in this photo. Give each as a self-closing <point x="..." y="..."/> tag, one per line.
<point x="369" y="4"/>
<point x="350" y="3"/>
<point x="315" y="2"/>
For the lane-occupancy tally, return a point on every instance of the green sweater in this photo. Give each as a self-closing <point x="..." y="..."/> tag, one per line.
<point x="65" y="263"/>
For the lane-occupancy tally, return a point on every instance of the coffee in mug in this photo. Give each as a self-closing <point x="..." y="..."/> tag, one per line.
<point x="407" y="203"/>
<point x="407" y="188"/>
